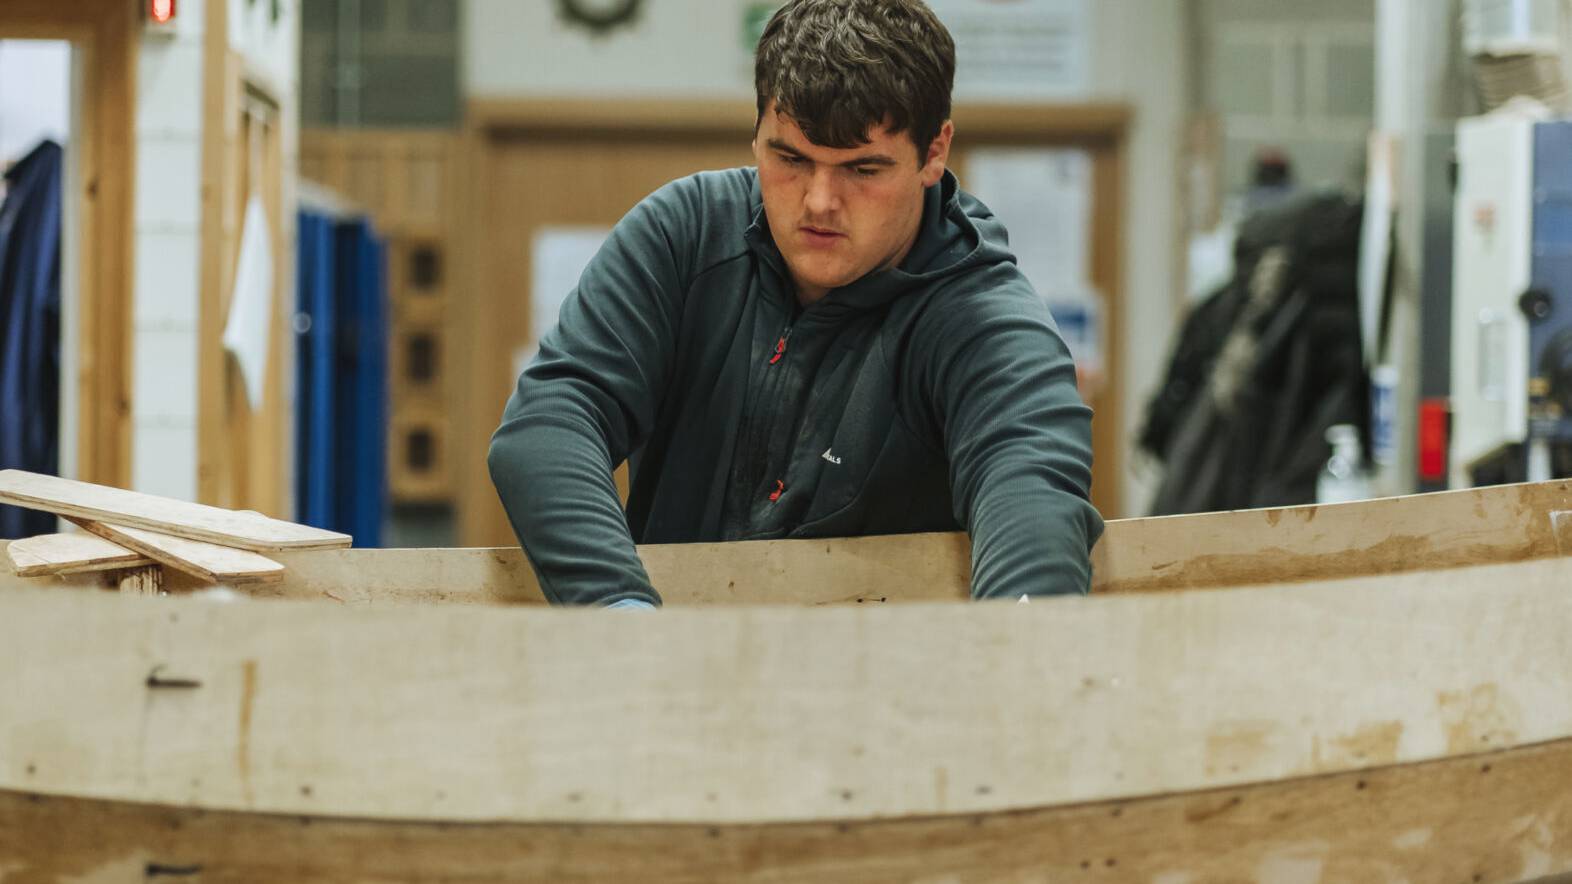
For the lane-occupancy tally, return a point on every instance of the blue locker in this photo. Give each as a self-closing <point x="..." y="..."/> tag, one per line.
<point x="342" y="387"/>
<point x="315" y="343"/>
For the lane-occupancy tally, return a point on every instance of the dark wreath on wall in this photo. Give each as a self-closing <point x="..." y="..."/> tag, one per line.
<point x="599" y="17"/>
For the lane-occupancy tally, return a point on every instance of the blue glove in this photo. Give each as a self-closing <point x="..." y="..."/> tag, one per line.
<point x="631" y="605"/>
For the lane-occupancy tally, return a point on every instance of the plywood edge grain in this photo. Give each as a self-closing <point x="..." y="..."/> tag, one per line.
<point x="1431" y="533"/>
<point x="244" y="530"/>
<point x="206" y="561"/>
<point x="74" y="553"/>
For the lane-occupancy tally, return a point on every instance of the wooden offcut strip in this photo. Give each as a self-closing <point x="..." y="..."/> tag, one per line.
<point x="211" y="562"/>
<point x="194" y="521"/>
<point x="69" y="554"/>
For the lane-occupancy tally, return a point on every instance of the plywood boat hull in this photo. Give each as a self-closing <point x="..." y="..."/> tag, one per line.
<point x="1411" y="726"/>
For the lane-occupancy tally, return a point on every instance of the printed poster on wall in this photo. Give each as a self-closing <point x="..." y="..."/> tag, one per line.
<point x="557" y="260"/>
<point x="1044" y="198"/>
<point x="1018" y="49"/>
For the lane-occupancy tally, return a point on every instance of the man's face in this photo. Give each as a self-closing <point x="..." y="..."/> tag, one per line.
<point x="835" y="214"/>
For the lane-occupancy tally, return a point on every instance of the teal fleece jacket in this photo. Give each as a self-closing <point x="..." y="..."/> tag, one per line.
<point x="933" y="396"/>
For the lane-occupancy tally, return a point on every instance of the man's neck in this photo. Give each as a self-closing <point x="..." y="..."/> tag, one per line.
<point x="808" y="295"/>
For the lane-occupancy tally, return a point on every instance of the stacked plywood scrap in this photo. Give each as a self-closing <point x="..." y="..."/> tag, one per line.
<point x="1382" y="692"/>
<point x="127" y="531"/>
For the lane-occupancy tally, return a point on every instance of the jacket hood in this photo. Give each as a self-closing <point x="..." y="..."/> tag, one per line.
<point x="957" y="234"/>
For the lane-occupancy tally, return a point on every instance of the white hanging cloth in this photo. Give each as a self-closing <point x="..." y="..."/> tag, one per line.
<point x="248" y="331"/>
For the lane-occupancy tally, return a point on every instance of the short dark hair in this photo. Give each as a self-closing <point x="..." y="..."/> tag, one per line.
<point x="839" y="68"/>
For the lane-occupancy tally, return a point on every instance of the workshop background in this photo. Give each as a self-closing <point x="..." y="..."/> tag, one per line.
<point x="289" y="255"/>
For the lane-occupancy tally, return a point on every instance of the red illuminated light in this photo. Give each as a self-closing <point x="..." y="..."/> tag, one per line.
<point x="162" y="12"/>
<point x="1432" y="439"/>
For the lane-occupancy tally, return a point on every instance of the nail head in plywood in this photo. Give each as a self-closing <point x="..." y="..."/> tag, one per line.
<point x="209" y="561"/>
<point x="73" y="553"/>
<point x="194" y="521"/>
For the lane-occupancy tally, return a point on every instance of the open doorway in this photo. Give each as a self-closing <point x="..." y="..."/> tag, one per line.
<point x="73" y="67"/>
<point x="38" y="294"/>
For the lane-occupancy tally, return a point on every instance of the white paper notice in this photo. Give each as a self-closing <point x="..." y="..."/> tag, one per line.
<point x="248" y="331"/>
<point x="1044" y="198"/>
<point x="557" y="259"/>
<point x="1018" y="49"/>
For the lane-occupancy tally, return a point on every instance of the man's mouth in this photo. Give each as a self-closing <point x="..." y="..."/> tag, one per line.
<point x="820" y="235"/>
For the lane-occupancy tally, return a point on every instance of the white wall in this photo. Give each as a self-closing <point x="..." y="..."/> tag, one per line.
<point x="271" y="48"/>
<point x="35" y="95"/>
<point x="167" y="223"/>
<point x="689" y="48"/>
<point x="694" y="48"/>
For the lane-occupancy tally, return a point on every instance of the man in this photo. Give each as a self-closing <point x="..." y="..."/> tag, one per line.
<point x="836" y="342"/>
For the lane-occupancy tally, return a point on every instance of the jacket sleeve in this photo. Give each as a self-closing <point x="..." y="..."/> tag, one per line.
<point x="588" y="399"/>
<point x="1018" y="438"/>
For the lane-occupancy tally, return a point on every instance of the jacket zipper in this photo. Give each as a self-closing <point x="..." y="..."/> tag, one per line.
<point x="780" y="345"/>
<point x="759" y="425"/>
<point x="780" y="351"/>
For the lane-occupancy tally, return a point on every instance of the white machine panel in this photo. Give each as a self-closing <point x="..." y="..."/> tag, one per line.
<point x="1492" y="228"/>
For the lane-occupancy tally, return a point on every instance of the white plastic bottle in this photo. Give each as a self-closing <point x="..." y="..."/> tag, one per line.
<point x="1343" y="478"/>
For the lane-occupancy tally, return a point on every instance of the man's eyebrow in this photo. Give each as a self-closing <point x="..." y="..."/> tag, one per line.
<point x="873" y="159"/>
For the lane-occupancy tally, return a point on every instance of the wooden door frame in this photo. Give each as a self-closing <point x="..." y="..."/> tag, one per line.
<point x="243" y="452"/>
<point x="105" y="35"/>
<point x="1099" y="128"/>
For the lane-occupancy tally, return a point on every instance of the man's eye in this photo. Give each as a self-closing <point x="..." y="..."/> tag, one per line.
<point x="792" y="160"/>
<point x="866" y="171"/>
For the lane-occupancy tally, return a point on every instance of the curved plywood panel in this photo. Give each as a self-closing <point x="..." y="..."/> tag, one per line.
<point x="767" y="715"/>
<point x="1414" y="726"/>
<point x="1500" y="817"/>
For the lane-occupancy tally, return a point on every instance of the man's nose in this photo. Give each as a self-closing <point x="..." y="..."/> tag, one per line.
<point x="823" y="197"/>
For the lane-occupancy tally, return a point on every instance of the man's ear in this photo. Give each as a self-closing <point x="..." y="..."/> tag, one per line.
<point x="938" y="155"/>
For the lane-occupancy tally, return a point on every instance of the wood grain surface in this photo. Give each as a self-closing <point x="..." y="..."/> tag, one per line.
<point x="208" y="562"/>
<point x="1493" y="818"/>
<point x="771" y="714"/>
<point x="245" y="530"/>
<point x="72" y="553"/>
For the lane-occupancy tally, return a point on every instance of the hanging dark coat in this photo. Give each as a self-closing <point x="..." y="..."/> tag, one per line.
<point x="30" y="327"/>
<point x="1265" y="366"/>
